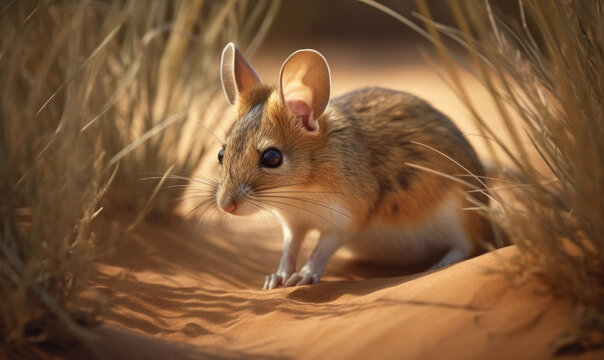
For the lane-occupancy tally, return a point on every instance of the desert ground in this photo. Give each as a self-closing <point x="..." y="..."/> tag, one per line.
<point x="199" y="291"/>
<point x="191" y="288"/>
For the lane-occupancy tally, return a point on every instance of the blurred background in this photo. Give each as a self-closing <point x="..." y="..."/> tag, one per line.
<point x="304" y="23"/>
<point x="367" y="47"/>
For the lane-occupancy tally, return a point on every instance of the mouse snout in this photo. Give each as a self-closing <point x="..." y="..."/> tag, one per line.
<point x="230" y="198"/>
<point x="229" y="208"/>
<point x="226" y="203"/>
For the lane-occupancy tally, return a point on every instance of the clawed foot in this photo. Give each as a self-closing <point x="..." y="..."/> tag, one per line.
<point x="298" y="278"/>
<point x="302" y="278"/>
<point x="273" y="280"/>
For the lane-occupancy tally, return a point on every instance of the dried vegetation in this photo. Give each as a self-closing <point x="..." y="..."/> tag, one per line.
<point x="543" y="69"/>
<point x="95" y="96"/>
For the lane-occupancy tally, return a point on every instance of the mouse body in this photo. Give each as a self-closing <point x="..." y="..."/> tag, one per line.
<point x="377" y="170"/>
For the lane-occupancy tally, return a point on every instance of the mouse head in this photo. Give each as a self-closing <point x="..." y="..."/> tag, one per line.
<point x="277" y="130"/>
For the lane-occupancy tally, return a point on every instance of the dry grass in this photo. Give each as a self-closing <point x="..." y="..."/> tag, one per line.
<point x="96" y="93"/>
<point x="547" y="70"/>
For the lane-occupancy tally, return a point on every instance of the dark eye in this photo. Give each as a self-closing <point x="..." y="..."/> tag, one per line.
<point x="271" y="158"/>
<point x="220" y="155"/>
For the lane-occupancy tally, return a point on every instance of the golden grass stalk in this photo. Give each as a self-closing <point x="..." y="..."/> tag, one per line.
<point x="544" y="73"/>
<point x="96" y="93"/>
<point x="169" y="86"/>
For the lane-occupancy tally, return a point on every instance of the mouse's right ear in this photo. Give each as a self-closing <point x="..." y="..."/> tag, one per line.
<point x="306" y="86"/>
<point x="236" y="73"/>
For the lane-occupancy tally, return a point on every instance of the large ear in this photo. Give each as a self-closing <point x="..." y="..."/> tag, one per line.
<point x="305" y="86"/>
<point x="236" y="73"/>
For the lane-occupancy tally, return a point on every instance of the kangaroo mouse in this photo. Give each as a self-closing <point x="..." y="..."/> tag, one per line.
<point x="370" y="170"/>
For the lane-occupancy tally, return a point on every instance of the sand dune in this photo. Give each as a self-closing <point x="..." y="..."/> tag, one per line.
<point x="184" y="291"/>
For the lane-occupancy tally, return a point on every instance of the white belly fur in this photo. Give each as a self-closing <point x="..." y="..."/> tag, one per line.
<point x="413" y="244"/>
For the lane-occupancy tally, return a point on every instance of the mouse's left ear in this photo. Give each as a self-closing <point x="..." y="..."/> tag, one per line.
<point x="236" y="73"/>
<point x="305" y="86"/>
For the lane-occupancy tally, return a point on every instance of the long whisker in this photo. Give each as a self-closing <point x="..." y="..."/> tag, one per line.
<point x="219" y="140"/>
<point x="456" y="179"/>
<point x="310" y="202"/>
<point x="486" y="178"/>
<point x="185" y="197"/>
<point x="452" y="160"/>
<point x="218" y="119"/>
<point x="269" y="203"/>
<point x="313" y="192"/>
<point x="176" y="172"/>
<point x="273" y="202"/>
<point x="263" y="189"/>
<point x="207" y="208"/>
<point x="262" y="208"/>
<point x="508" y="187"/>
<point x="198" y="179"/>
<point x="172" y="189"/>
<point x="200" y="191"/>
<point x="185" y="186"/>
<point x="177" y="177"/>
<point x="205" y="204"/>
<point x="191" y="177"/>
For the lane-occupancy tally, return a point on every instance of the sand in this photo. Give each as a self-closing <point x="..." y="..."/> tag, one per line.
<point x="184" y="290"/>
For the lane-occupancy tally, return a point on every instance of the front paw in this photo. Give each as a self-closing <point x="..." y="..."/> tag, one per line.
<point x="273" y="280"/>
<point x="303" y="277"/>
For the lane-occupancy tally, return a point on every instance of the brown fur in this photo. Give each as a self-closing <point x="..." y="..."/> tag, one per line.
<point x="361" y="152"/>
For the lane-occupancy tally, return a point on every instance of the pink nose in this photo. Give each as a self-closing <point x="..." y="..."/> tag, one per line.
<point x="230" y="208"/>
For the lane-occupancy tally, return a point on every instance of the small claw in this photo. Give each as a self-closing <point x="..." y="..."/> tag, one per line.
<point x="301" y="279"/>
<point x="272" y="281"/>
<point x="308" y="279"/>
<point x="293" y="279"/>
<point x="275" y="281"/>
